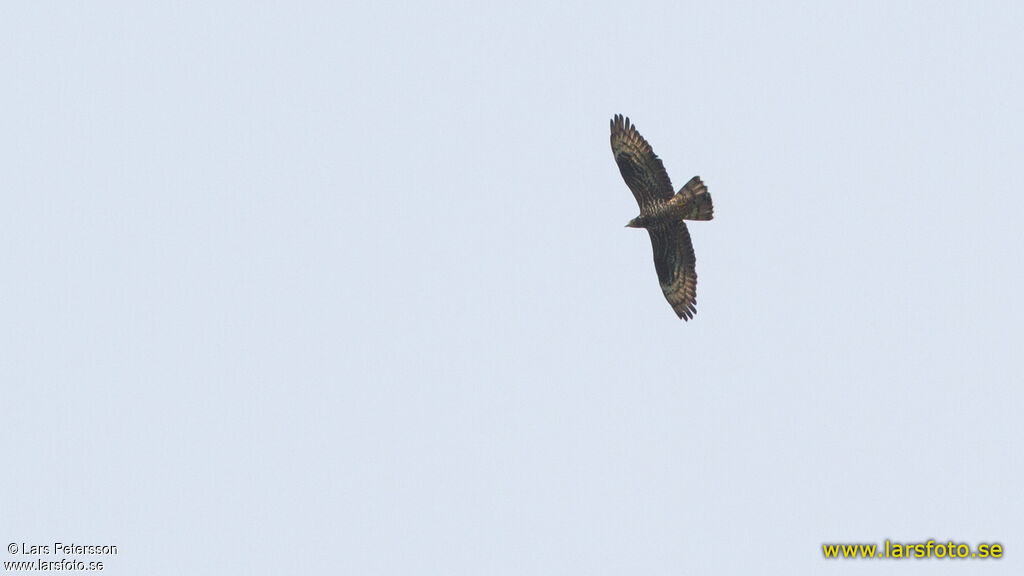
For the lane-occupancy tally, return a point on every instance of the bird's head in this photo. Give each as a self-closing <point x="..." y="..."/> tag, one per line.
<point x="635" y="223"/>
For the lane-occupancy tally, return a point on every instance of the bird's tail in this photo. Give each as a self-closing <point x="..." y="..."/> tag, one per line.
<point x="694" y="201"/>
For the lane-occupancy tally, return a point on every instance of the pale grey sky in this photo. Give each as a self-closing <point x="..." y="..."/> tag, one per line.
<point x="330" y="288"/>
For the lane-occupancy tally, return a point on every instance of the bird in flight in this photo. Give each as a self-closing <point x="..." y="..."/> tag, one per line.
<point x="662" y="212"/>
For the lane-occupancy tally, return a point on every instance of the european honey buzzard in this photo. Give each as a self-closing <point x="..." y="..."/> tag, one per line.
<point x="662" y="213"/>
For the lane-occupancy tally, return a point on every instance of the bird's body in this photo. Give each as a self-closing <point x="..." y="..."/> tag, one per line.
<point x="662" y="213"/>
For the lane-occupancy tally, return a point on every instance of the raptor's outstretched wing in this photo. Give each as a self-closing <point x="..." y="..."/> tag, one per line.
<point x="640" y="166"/>
<point x="676" y="266"/>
